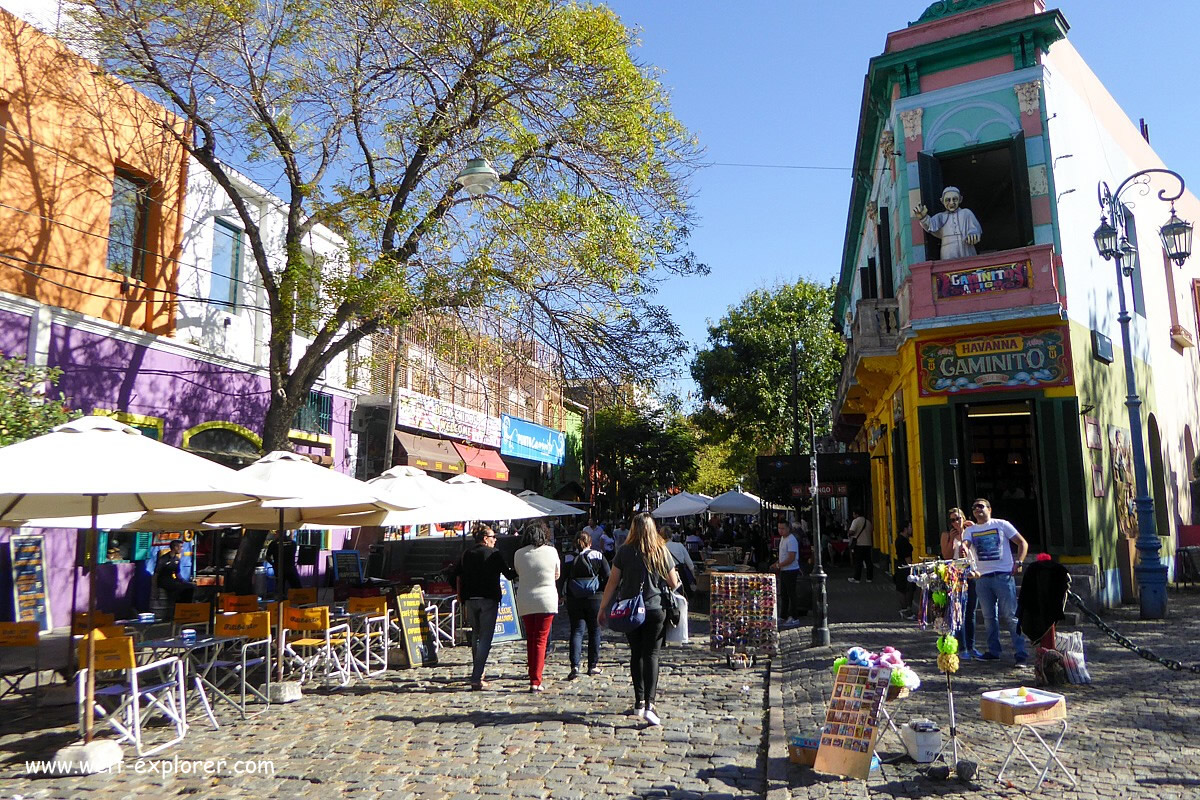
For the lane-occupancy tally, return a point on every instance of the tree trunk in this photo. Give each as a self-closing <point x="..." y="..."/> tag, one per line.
<point x="277" y="423"/>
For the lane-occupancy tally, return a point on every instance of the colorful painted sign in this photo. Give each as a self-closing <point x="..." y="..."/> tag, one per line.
<point x="524" y="439"/>
<point x="431" y="414"/>
<point x="508" y="624"/>
<point x="995" y="362"/>
<point x="414" y="625"/>
<point x="983" y="280"/>
<point x="30" y="601"/>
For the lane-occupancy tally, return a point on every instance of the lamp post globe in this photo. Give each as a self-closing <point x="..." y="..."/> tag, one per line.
<point x="478" y="177"/>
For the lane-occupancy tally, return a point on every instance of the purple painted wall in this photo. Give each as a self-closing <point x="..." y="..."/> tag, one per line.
<point x="100" y="372"/>
<point x="14" y="334"/>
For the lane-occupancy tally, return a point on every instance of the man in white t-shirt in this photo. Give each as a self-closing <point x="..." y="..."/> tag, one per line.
<point x="990" y="540"/>
<point x="862" y="539"/>
<point x="788" y="567"/>
<point x="594" y="529"/>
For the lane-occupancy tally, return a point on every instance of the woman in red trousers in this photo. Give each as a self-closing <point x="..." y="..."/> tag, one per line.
<point x="536" y="564"/>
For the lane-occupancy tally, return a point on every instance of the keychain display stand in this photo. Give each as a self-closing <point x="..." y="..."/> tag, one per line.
<point x="743" y="616"/>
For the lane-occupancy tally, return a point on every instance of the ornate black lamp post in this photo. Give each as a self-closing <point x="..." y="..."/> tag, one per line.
<point x="1112" y="242"/>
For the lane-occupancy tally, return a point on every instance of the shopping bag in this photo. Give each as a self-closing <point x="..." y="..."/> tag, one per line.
<point x="1070" y="644"/>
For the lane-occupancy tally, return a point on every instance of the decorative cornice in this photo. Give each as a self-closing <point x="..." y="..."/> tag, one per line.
<point x="873" y="211"/>
<point x="945" y="8"/>
<point x="911" y="120"/>
<point x="887" y="143"/>
<point x="1029" y="96"/>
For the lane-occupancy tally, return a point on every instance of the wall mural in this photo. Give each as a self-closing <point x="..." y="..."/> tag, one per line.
<point x="1121" y="455"/>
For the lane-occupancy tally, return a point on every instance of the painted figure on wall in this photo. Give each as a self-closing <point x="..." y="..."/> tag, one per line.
<point x="1123" y="490"/>
<point x="957" y="227"/>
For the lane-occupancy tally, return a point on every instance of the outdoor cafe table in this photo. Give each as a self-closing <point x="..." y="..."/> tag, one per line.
<point x="198" y="662"/>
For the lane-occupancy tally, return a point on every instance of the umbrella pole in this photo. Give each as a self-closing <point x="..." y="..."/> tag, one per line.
<point x="92" y="545"/>
<point x="280" y="595"/>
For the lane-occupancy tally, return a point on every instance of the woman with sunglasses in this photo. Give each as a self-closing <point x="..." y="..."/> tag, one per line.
<point x="953" y="547"/>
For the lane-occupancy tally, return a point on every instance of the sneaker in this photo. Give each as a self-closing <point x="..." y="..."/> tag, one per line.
<point x="573" y="674"/>
<point x="637" y="711"/>
<point x="964" y="655"/>
<point x="852" y="580"/>
<point x="988" y="657"/>
<point x="1021" y="660"/>
<point x="975" y="653"/>
<point x="907" y="615"/>
<point x="595" y="670"/>
<point x="651" y="716"/>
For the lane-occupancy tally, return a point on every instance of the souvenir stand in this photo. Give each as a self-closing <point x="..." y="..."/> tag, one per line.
<point x="942" y="585"/>
<point x="743" y="616"/>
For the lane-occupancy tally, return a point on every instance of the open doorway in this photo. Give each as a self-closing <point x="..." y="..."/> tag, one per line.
<point x="1001" y="464"/>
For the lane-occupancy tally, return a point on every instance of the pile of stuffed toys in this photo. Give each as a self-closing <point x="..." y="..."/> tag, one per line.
<point x="902" y="675"/>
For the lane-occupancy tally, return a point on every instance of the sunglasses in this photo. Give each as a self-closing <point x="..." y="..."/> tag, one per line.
<point x="979" y="505"/>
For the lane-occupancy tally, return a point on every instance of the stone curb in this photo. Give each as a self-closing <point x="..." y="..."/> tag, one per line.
<point x="776" y="780"/>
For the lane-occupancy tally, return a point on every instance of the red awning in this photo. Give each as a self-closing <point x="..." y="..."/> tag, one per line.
<point x="431" y="455"/>
<point x="482" y="462"/>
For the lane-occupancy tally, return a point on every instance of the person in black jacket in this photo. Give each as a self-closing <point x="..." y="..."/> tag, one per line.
<point x="478" y="574"/>
<point x="585" y="583"/>
<point x="166" y="571"/>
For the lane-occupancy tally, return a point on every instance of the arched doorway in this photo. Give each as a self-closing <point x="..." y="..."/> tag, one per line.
<point x="1158" y="481"/>
<point x="224" y="442"/>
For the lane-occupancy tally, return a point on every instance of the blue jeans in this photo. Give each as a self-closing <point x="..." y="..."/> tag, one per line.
<point x="481" y="616"/>
<point x="998" y="593"/>
<point x="583" y="612"/>
<point x="970" y="602"/>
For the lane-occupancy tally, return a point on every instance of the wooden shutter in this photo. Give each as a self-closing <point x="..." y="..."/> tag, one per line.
<point x="1060" y="461"/>
<point x="887" y="280"/>
<point x="1021" y="200"/>
<point x="939" y="444"/>
<point x="929" y="170"/>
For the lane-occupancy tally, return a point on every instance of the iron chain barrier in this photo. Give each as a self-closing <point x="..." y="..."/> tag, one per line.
<point x="1124" y="641"/>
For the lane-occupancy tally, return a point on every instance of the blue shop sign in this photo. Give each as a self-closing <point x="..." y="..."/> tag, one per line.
<point x="534" y="442"/>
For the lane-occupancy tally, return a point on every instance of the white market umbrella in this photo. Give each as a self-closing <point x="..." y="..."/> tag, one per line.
<point x="549" y="506"/>
<point x="96" y="464"/>
<point x="735" y="502"/>
<point x="463" y="497"/>
<point x="684" y="504"/>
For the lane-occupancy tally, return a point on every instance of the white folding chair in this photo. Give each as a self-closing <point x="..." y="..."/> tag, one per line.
<point x="245" y="649"/>
<point x="134" y="692"/>
<point x="315" y="647"/>
<point x="372" y="640"/>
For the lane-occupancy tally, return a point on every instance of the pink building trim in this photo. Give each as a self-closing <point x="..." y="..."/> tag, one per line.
<point x="1043" y="285"/>
<point x="963" y="22"/>
<point x="966" y="73"/>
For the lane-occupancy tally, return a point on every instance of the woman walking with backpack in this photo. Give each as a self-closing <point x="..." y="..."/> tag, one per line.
<point x="644" y="566"/>
<point x="585" y="584"/>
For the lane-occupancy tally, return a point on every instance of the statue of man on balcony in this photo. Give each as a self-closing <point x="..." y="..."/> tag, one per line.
<point x="957" y="227"/>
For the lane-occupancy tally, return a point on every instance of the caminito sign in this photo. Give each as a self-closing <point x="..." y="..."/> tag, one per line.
<point x="983" y="280"/>
<point x="996" y="362"/>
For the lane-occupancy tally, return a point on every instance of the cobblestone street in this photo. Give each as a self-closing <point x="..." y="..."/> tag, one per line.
<point x="1131" y="734"/>
<point x="422" y="734"/>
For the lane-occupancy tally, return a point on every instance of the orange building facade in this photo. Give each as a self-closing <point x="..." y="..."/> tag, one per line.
<point x="92" y="182"/>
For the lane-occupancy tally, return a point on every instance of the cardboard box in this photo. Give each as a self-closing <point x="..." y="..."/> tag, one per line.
<point x="1008" y="707"/>
<point x="803" y="750"/>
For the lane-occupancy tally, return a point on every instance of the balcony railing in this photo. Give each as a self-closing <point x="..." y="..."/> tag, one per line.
<point x="876" y="327"/>
<point x="1022" y="282"/>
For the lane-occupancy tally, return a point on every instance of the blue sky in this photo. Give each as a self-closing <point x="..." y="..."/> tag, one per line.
<point x="780" y="83"/>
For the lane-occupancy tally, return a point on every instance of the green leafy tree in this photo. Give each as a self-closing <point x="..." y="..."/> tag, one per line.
<point x="713" y="473"/>
<point x="639" y="453"/>
<point x="25" y="410"/>
<point x="745" y="373"/>
<point x="361" y="113"/>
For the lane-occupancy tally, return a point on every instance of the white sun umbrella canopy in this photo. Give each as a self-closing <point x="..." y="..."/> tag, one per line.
<point x="684" y="504"/>
<point x="549" y="506"/>
<point x="96" y="465"/>
<point x="57" y="474"/>
<point x="461" y="498"/>
<point x="735" y="502"/>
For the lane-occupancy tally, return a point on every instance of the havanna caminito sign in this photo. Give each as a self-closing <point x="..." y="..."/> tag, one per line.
<point x="983" y="280"/>
<point x="995" y="362"/>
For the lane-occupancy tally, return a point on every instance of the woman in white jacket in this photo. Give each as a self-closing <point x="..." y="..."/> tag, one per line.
<point x="537" y="567"/>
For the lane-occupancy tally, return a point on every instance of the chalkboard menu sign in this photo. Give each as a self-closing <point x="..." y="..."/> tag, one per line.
<point x="30" y="601"/>
<point x="508" y="624"/>
<point x="418" y="636"/>
<point x="347" y="566"/>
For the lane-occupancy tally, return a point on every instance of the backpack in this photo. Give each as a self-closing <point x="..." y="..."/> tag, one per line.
<point x="586" y="585"/>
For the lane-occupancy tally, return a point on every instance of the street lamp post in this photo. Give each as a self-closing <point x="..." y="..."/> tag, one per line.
<point x="1112" y="242"/>
<point x="820" y="630"/>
